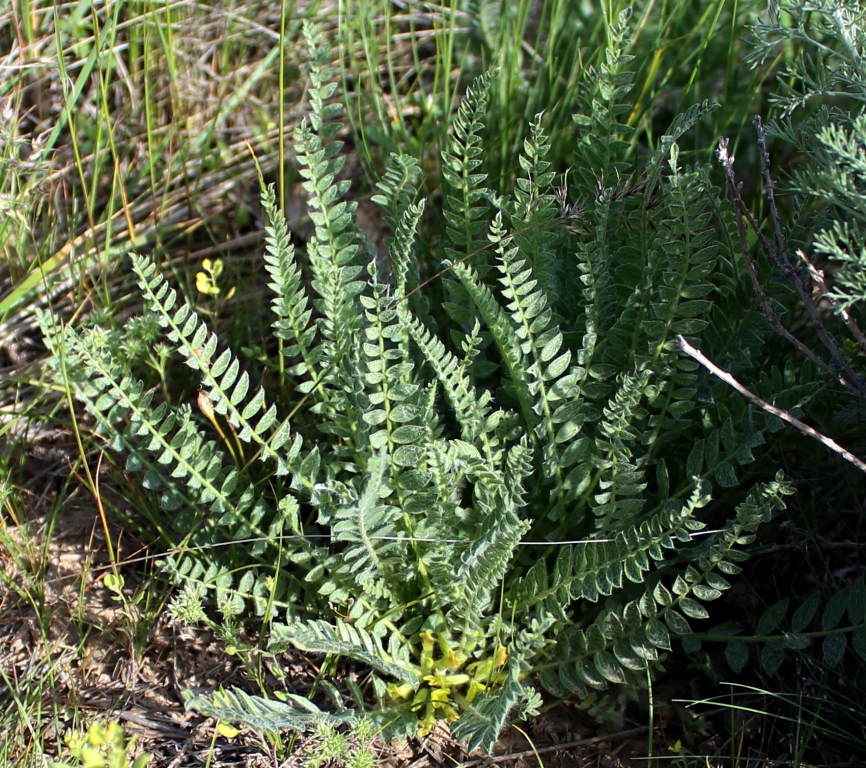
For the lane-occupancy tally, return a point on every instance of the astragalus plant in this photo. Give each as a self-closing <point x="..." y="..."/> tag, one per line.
<point x="393" y="502"/>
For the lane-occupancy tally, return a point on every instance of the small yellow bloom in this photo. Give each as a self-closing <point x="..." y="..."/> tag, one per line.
<point x="402" y="691"/>
<point x="440" y="695"/>
<point x="451" y="714"/>
<point x="500" y="657"/>
<point x="474" y="688"/>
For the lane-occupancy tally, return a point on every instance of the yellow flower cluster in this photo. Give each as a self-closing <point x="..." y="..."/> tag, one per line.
<point x="448" y="684"/>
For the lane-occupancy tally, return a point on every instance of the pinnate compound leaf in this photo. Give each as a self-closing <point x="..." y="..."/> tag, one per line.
<point x="448" y="489"/>
<point x="321" y="637"/>
<point x="264" y="715"/>
<point x="485" y="718"/>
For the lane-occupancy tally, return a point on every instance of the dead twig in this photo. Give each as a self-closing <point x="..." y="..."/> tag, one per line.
<point x="804" y="289"/>
<point x="817" y="276"/>
<point x="696" y="354"/>
<point x="781" y="259"/>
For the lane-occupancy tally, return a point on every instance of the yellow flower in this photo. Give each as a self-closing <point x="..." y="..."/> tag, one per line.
<point x="474" y="688"/>
<point x="402" y="691"/>
<point x="500" y="657"/>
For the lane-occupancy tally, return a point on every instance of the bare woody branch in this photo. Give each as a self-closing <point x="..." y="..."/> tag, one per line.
<point x="699" y="356"/>
<point x="781" y="259"/>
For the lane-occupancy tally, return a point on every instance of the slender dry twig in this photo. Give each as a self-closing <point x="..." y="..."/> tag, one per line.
<point x="817" y="276"/>
<point x="696" y="354"/>
<point x="804" y="290"/>
<point x="849" y="379"/>
<point x="770" y="187"/>
<point x="741" y="213"/>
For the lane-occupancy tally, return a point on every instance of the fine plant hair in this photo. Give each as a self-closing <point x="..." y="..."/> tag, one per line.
<point x="525" y="501"/>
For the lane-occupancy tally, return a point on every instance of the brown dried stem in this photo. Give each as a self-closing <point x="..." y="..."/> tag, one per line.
<point x="781" y="259"/>
<point x="817" y="276"/>
<point x="697" y="355"/>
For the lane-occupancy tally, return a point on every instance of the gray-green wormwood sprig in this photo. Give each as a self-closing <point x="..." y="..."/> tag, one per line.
<point x="392" y="535"/>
